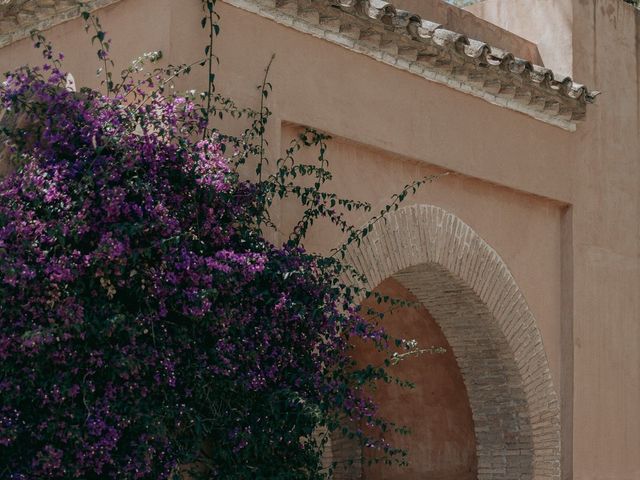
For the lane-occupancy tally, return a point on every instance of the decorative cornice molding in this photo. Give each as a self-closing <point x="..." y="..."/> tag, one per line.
<point x="406" y="41"/>
<point x="18" y="18"/>
<point x="378" y="29"/>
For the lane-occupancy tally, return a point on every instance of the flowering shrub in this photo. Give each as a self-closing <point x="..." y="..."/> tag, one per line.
<point x="147" y="328"/>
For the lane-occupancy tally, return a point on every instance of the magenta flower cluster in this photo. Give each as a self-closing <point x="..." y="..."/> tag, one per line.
<point x="147" y="329"/>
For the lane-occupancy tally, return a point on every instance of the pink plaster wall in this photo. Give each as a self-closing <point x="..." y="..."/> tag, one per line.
<point x="522" y="227"/>
<point x="606" y="237"/>
<point x="561" y="208"/>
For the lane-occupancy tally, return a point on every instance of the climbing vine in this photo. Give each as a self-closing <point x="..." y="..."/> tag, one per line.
<point x="148" y="329"/>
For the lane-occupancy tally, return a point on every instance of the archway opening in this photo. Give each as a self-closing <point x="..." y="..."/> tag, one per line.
<point x="442" y="443"/>
<point x="470" y="293"/>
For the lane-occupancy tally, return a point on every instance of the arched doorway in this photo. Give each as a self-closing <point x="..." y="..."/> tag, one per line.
<point x="471" y="294"/>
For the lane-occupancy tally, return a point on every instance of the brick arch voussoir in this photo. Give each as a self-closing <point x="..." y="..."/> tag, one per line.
<point x="518" y="425"/>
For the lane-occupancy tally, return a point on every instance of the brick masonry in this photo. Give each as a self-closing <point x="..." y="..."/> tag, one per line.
<point x="470" y="292"/>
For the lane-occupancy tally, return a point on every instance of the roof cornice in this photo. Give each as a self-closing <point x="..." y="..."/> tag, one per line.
<point x="406" y="41"/>
<point x="378" y="29"/>
<point x="18" y="18"/>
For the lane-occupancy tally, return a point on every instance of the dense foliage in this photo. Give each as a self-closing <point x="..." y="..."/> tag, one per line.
<point x="147" y="328"/>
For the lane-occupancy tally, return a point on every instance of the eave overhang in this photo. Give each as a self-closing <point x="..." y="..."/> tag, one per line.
<point x="396" y="37"/>
<point x="406" y="41"/>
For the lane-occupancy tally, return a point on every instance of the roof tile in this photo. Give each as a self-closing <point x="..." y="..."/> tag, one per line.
<point x="396" y="36"/>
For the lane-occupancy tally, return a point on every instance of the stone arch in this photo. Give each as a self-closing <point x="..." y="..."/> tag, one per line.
<point x="470" y="292"/>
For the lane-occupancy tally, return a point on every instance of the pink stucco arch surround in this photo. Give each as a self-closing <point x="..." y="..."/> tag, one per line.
<point x="474" y="298"/>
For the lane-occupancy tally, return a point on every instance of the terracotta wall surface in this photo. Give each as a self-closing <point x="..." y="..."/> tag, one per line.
<point x="560" y="208"/>
<point x="526" y="230"/>
<point x="605" y="43"/>
<point x="606" y="307"/>
<point x="441" y="445"/>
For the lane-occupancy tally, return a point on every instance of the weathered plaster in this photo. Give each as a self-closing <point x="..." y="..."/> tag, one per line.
<point x="518" y="177"/>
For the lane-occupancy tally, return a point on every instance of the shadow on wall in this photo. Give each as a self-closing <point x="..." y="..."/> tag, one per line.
<point x="441" y="445"/>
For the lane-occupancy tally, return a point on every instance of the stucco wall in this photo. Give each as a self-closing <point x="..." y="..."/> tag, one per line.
<point x="474" y="26"/>
<point x="523" y="228"/>
<point x="606" y="246"/>
<point x="604" y="40"/>
<point x="560" y="208"/>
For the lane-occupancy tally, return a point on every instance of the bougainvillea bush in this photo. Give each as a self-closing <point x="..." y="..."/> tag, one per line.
<point x="147" y="328"/>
